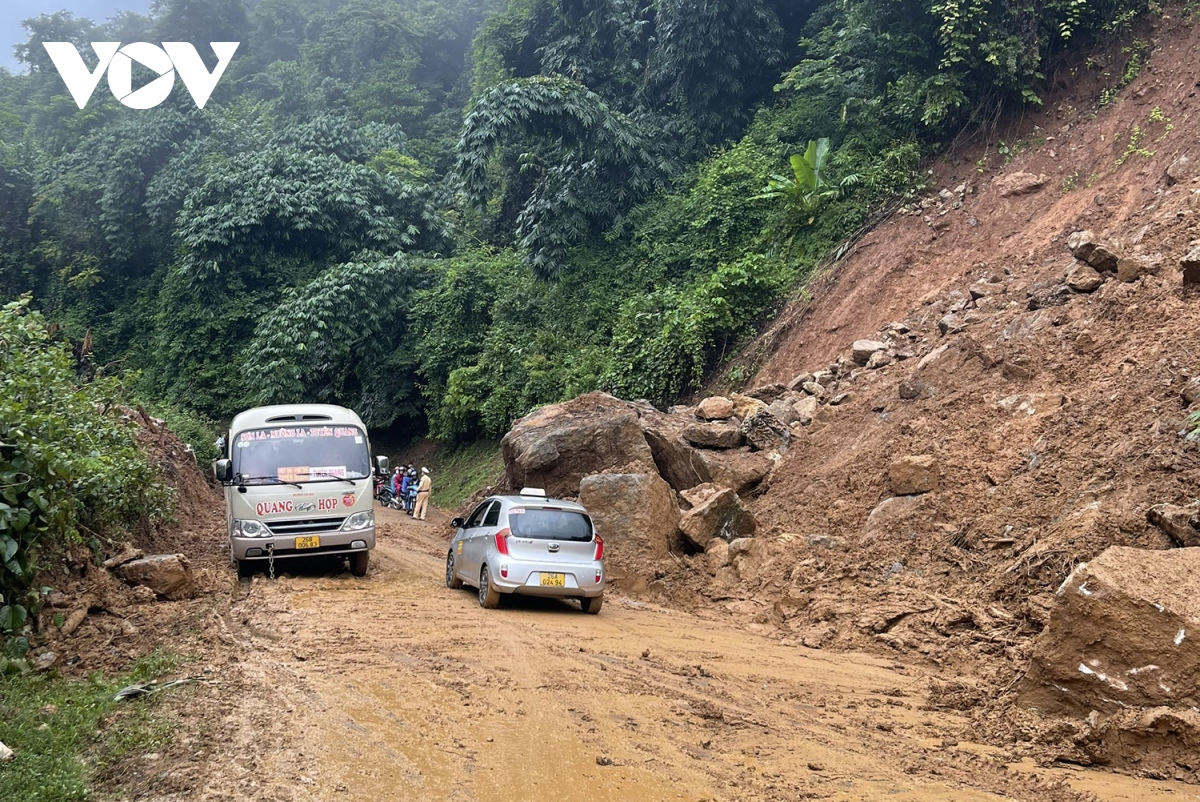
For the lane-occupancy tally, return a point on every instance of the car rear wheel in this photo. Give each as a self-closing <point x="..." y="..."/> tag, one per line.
<point x="359" y="561"/>
<point x="452" y="581"/>
<point x="591" y="605"/>
<point x="489" y="597"/>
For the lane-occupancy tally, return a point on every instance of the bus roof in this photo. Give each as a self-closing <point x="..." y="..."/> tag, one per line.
<point x="291" y="414"/>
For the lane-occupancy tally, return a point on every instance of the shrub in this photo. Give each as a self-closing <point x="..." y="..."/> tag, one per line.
<point x="69" y="469"/>
<point x="663" y="341"/>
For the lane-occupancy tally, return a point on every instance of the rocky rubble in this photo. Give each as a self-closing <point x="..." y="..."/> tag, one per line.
<point x="658" y="482"/>
<point x="943" y="473"/>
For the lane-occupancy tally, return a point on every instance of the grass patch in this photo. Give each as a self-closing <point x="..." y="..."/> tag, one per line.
<point x="66" y="733"/>
<point x="459" y="471"/>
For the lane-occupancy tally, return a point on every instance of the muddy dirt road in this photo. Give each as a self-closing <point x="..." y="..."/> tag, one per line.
<point x="395" y="688"/>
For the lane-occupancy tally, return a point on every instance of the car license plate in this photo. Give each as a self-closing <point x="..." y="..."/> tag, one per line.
<point x="310" y="542"/>
<point x="554" y="580"/>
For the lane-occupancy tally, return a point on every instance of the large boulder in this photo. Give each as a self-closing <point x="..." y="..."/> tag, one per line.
<point x="783" y="410"/>
<point x="676" y="460"/>
<point x="1083" y="278"/>
<point x="744" y="406"/>
<point x="720" y="515"/>
<point x="168" y="575"/>
<point x="765" y="432"/>
<point x="912" y="475"/>
<point x="1190" y="264"/>
<point x="1087" y="247"/>
<point x="898" y="516"/>
<point x="699" y="494"/>
<point x="635" y="513"/>
<point x="741" y="471"/>
<point x="713" y="435"/>
<point x="556" y="446"/>
<point x="806" y="409"/>
<point x="768" y="393"/>
<point x="746" y="555"/>
<point x="1132" y="267"/>
<point x="716" y="555"/>
<point x="1014" y="184"/>
<point x="1125" y="632"/>
<point x="715" y="407"/>
<point x="862" y="350"/>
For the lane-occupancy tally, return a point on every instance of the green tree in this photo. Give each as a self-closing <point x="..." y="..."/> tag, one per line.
<point x="808" y="188"/>
<point x="584" y="162"/>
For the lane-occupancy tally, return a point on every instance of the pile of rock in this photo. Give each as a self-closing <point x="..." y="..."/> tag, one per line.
<point x="655" y="481"/>
<point x="1099" y="259"/>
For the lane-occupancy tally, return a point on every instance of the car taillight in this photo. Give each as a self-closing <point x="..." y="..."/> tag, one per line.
<point x="502" y="541"/>
<point x="599" y="548"/>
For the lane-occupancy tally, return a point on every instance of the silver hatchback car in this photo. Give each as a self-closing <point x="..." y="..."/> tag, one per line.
<point x="531" y="545"/>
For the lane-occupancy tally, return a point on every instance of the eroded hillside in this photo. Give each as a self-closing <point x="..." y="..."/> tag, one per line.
<point x="1019" y="405"/>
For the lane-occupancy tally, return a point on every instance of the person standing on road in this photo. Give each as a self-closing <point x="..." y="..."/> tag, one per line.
<point x="423" y="488"/>
<point x="410" y="499"/>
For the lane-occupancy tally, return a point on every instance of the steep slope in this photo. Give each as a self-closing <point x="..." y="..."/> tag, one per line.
<point x="1055" y="414"/>
<point x="1091" y="182"/>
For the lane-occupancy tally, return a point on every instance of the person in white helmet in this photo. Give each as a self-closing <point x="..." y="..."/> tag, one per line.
<point x="423" y="489"/>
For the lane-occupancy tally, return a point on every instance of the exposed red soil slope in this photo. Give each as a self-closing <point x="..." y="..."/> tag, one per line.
<point x="1055" y="416"/>
<point x="904" y="264"/>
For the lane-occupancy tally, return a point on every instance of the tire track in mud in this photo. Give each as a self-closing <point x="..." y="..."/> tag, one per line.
<point x="394" y="687"/>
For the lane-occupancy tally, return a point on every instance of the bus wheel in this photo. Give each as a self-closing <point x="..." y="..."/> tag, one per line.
<point x="359" y="561"/>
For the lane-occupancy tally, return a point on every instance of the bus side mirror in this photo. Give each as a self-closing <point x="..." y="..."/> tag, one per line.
<point x="222" y="470"/>
<point x="381" y="465"/>
<point x="457" y="523"/>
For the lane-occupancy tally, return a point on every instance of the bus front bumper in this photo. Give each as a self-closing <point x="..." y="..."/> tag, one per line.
<point x="260" y="548"/>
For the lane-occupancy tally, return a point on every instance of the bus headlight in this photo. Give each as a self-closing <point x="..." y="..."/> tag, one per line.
<point x="359" y="520"/>
<point x="250" y="529"/>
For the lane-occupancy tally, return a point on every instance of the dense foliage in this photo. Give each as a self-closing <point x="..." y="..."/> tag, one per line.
<point x="444" y="214"/>
<point x="69" y="468"/>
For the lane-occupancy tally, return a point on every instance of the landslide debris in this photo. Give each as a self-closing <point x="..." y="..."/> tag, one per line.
<point x="105" y="612"/>
<point x="999" y="386"/>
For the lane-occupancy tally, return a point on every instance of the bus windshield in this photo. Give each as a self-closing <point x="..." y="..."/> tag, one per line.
<point x="301" y="453"/>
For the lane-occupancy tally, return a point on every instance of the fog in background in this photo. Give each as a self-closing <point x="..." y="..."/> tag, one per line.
<point x="13" y="11"/>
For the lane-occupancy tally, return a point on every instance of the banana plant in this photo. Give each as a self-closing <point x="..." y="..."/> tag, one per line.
<point x="808" y="188"/>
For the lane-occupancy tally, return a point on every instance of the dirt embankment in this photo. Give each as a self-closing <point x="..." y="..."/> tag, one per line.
<point x="1052" y="408"/>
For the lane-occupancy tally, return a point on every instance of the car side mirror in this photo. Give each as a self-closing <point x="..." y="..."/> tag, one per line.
<point x="457" y="523"/>
<point x="223" y="470"/>
<point x="381" y="465"/>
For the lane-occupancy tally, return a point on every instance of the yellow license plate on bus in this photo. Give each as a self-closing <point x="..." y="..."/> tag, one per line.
<point x="554" y="580"/>
<point x="310" y="542"/>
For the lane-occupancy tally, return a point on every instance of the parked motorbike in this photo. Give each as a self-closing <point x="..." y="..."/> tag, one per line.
<point x="383" y="492"/>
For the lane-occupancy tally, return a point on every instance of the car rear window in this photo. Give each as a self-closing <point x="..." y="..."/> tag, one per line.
<point x="543" y="524"/>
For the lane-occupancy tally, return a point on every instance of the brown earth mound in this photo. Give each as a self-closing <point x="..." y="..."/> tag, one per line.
<point x="95" y="621"/>
<point x="1031" y="401"/>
